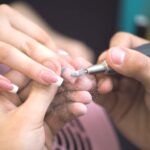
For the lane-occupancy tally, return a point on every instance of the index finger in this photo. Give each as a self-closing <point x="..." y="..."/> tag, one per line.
<point x="23" y="24"/>
<point x="124" y="39"/>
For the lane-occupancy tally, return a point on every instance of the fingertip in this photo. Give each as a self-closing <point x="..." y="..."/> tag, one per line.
<point x="105" y="85"/>
<point x="80" y="96"/>
<point x="6" y="85"/>
<point x="77" y="109"/>
<point x="66" y="74"/>
<point x="59" y="81"/>
<point x="102" y="56"/>
<point x="81" y="62"/>
<point x="48" y="76"/>
<point x="14" y="89"/>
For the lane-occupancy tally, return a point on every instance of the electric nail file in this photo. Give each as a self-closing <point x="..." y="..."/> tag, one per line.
<point x="103" y="67"/>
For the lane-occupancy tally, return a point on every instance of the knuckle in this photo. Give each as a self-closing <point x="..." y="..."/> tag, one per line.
<point x="141" y="66"/>
<point x="144" y="64"/>
<point x="5" y="51"/>
<point x="42" y="36"/>
<point x="29" y="46"/>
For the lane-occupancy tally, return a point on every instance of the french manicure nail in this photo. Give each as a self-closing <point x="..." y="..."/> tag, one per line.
<point x="59" y="81"/>
<point x="6" y="85"/>
<point x="14" y="89"/>
<point x="49" y="76"/>
<point x="117" y="55"/>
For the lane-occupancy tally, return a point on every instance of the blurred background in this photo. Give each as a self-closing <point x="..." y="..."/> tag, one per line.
<point x="94" y="22"/>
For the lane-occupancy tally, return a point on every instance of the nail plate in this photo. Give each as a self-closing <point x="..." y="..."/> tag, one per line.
<point x="14" y="89"/>
<point x="49" y="76"/>
<point x="117" y="55"/>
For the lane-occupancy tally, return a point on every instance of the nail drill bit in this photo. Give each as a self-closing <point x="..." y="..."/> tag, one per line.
<point x="102" y="67"/>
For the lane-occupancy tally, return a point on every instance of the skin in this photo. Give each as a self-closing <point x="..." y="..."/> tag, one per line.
<point x="126" y="97"/>
<point x="21" y="122"/>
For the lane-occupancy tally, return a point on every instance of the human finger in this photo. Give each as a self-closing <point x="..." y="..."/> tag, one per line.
<point x="126" y="40"/>
<point x="11" y="56"/>
<point x="38" y="102"/>
<point x="39" y="52"/>
<point x="86" y="82"/>
<point x="21" y="81"/>
<point x="7" y="86"/>
<point x="23" y="24"/>
<point x="124" y="61"/>
<point x="72" y="96"/>
<point x="105" y="82"/>
<point x="69" y="111"/>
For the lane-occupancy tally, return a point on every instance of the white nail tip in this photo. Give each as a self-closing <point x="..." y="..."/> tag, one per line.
<point x="62" y="52"/>
<point x="15" y="89"/>
<point x="59" y="82"/>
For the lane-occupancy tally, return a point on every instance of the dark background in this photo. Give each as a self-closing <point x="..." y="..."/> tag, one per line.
<point x="91" y="21"/>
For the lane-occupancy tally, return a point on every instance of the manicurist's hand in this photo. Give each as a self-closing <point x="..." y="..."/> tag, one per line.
<point x="127" y="97"/>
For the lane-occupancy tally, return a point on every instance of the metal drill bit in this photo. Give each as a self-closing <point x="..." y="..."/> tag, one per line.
<point x="79" y="73"/>
<point x="102" y="67"/>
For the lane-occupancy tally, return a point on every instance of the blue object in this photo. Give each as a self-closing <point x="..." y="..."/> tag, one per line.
<point x="128" y="10"/>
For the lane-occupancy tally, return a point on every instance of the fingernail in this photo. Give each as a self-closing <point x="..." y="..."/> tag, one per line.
<point x="66" y="73"/>
<point x="8" y="86"/>
<point x="62" y="52"/>
<point x="117" y="55"/>
<point x="14" y="89"/>
<point x="49" y="76"/>
<point x="59" y="81"/>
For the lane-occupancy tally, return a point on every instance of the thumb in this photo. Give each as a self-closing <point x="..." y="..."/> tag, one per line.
<point x="130" y="63"/>
<point x="38" y="101"/>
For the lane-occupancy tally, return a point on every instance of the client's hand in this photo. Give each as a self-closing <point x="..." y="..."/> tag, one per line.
<point x="68" y="103"/>
<point x="71" y="97"/>
<point x="23" y="48"/>
<point x="22" y="127"/>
